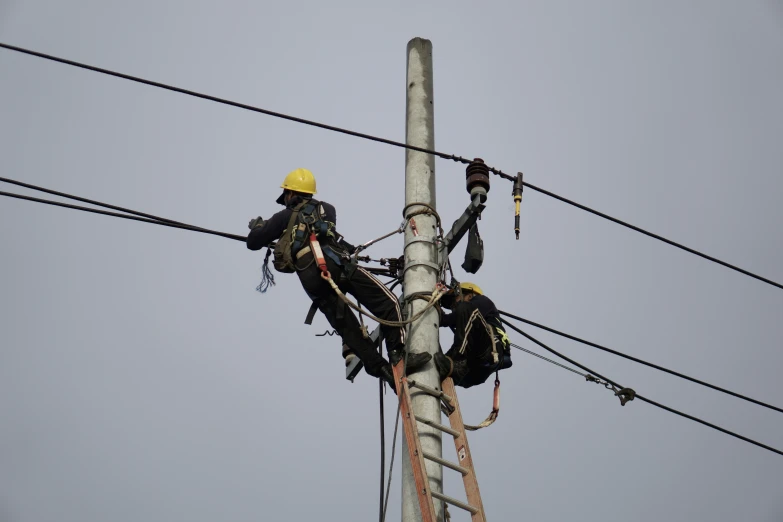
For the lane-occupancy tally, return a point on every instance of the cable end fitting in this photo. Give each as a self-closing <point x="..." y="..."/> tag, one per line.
<point x="517" y="193"/>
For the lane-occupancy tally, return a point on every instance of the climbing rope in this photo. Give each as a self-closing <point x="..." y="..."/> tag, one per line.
<point x="436" y="295"/>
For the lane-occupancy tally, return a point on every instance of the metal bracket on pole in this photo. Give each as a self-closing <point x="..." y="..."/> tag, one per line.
<point x="430" y="264"/>
<point x="422" y="239"/>
<point x="462" y="225"/>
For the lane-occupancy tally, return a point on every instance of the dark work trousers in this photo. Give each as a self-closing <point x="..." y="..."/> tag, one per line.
<point x="370" y="292"/>
<point x="471" y="350"/>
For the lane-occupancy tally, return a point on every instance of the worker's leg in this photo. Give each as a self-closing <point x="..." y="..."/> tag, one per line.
<point x="381" y="302"/>
<point x="340" y="317"/>
<point x="464" y="314"/>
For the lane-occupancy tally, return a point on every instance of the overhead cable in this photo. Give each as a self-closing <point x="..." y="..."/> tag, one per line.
<point x="655" y="236"/>
<point x="234" y="104"/>
<point x="386" y="141"/>
<point x="640" y="397"/>
<point x="383" y="435"/>
<point x="125" y="216"/>
<point x="640" y="361"/>
<point x="90" y="201"/>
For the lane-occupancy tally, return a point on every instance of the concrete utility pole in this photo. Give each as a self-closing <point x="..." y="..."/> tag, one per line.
<point x="421" y="268"/>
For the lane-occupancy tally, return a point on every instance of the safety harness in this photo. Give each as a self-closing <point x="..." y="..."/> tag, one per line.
<point x="501" y="359"/>
<point x="307" y="228"/>
<point x="308" y="231"/>
<point x="312" y="228"/>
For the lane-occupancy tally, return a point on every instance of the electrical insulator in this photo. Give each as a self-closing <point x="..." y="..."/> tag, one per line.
<point x="477" y="179"/>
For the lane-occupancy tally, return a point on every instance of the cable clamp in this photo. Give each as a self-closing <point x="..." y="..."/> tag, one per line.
<point x="625" y="395"/>
<point x="433" y="240"/>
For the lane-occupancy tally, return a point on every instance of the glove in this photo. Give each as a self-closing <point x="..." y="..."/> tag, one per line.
<point x="255" y="223"/>
<point x="346" y="245"/>
<point x="447" y="301"/>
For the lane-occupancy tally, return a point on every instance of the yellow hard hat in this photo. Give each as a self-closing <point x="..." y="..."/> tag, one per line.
<point x="299" y="180"/>
<point x="470" y="287"/>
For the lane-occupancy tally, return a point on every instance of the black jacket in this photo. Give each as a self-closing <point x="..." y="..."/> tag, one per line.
<point x="485" y="307"/>
<point x="272" y="229"/>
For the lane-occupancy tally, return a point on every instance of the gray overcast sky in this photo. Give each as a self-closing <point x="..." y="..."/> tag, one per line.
<point x="143" y="378"/>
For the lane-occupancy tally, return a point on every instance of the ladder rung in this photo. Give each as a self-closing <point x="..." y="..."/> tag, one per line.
<point x="431" y="391"/>
<point x="441" y="427"/>
<point x="454" y="502"/>
<point x="446" y="463"/>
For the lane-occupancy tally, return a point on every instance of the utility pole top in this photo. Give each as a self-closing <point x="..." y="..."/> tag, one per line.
<point x="419" y="42"/>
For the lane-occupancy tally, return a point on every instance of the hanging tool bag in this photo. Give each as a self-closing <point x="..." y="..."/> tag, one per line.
<point x="474" y="253"/>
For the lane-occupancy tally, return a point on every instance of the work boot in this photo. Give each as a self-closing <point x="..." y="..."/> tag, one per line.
<point x="416" y="362"/>
<point x="443" y="364"/>
<point x="395" y="356"/>
<point x="387" y="374"/>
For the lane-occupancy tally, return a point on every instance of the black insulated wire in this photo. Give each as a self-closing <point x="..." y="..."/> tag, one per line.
<point x="381" y="140"/>
<point x="229" y="102"/>
<point x="640" y="397"/>
<point x="383" y="438"/>
<point x="640" y="361"/>
<point x="125" y="216"/>
<point x="654" y="236"/>
<point x="90" y="201"/>
<point x="389" y="142"/>
<point x="542" y="345"/>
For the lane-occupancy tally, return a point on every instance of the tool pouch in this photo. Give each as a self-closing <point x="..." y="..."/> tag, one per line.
<point x="474" y="253"/>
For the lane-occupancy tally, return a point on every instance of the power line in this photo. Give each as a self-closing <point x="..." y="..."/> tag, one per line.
<point x="383" y="436"/>
<point x="624" y="395"/>
<point x="237" y="104"/>
<point x="531" y="352"/>
<point x="242" y="238"/>
<point x="640" y="361"/>
<point x="388" y="142"/>
<point x="90" y="201"/>
<point x="124" y="216"/>
<point x="640" y="397"/>
<point x="655" y="236"/>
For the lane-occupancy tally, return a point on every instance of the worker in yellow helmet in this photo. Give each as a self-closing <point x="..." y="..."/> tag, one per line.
<point x="291" y="229"/>
<point x="481" y="346"/>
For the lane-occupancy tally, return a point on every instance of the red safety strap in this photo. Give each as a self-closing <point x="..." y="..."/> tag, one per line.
<point x="318" y="254"/>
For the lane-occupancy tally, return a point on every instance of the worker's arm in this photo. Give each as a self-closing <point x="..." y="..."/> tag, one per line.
<point x="447" y="320"/>
<point x="270" y="231"/>
<point x="486" y="308"/>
